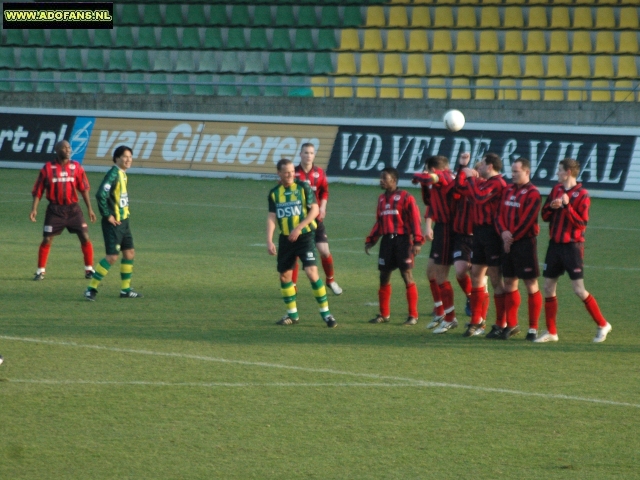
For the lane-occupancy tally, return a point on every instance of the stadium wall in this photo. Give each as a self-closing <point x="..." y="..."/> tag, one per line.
<point x="352" y="150"/>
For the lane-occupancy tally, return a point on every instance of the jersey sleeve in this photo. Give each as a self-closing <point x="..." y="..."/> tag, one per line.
<point x="308" y="193"/>
<point x="547" y="212"/>
<point x="41" y="183"/>
<point x="415" y="223"/>
<point x="323" y="187"/>
<point x="578" y="213"/>
<point x="82" y="182"/>
<point x="529" y="216"/>
<point x="103" y="195"/>
<point x="272" y="203"/>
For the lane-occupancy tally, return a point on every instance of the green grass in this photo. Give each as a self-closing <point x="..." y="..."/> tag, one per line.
<point x="196" y="381"/>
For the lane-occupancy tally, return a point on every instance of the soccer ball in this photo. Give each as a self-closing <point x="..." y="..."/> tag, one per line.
<point x="453" y="120"/>
<point x="1" y="360"/>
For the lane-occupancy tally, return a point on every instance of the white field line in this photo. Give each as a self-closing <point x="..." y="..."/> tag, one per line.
<point x="403" y="382"/>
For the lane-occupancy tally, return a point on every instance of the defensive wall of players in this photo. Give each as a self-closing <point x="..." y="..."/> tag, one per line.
<point x="352" y="150"/>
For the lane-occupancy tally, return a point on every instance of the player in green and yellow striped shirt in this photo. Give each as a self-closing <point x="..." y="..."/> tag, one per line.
<point x="293" y="207"/>
<point x="113" y="202"/>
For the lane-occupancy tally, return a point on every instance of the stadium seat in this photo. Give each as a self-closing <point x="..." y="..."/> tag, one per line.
<point x="158" y="84"/>
<point x="396" y="41"/>
<point x="180" y="84"/>
<point x="240" y="15"/>
<point x="605" y="43"/>
<point x="389" y="88"/>
<point x="218" y="15"/>
<point x="490" y="17"/>
<point x="303" y="39"/>
<point x="191" y="38"/>
<point x="68" y="83"/>
<point x="485" y="89"/>
<point x="372" y="40"/>
<point x="136" y="83"/>
<point x="327" y="39"/>
<point x="442" y="41"/>
<point x="321" y="89"/>
<point x="89" y="82"/>
<point x="236" y="39"/>
<point x="513" y="41"/>
<point x="124" y="37"/>
<point x="36" y="38"/>
<point x="513" y="17"/>
<point x="173" y="16"/>
<point x="346" y="64"/>
<point x="366" y="87"/>
<point x="275" y="89"/>
<point x="150" y="15"/>
<point x="203" y="85"/>
<point x="284" y="16"/>
<point x="413" y="89"/>
<point x="140" y="61"/>
<point x="440" y="65"/>
<point x="248" y="88"/>
<point x="322" y="64"/>
<point x="443" y="17"/>
<point x="488" y="42"/>
<point x="398" y="17"/>
<point x="80" y="37"/>
<point x="113" y="83"/>
<point x="536" y="42"/>
<point x="15" y="37"/>
<point x="436" y="89"/>
<point x="466" y="17"/>
<point x="603" y="67"/>
<point x="262" y="16"/>
<point x="375" y="17"/>
<point x="605" y="18"/>
<point x="628" y="42"/>
<point x="29" y="58"/>
<point x="349" y="39"/>
<point x="460" y="89"/>
<point x="463" y="66"/>
<point x="580" y="67"/>
<point x="416" y="65"/>
<point x="466" y="41"/>
<point x="329" y="17"/>
<point x="307" y="16"/>
<point x="556" y="66"/>
<point x="511" y="66"/>
<point x="281" y="39"/>
<point x="102" y="38"/>
<point x="582" y="18"/>
<point x="129" y="14"/>
<point x="530" y="90"/>
<point x="418" y="41"/>
<point x="230" y="62"/>
<point x="45" y="82"/>
<point x="369" y="64"/>
<point x="73" y="59"/>
<point x="628" y="93"/>
<point x="507" y="90"/>
<point x="533" y="66"/>
<point x="537" y="17"/>
<point x="169" y="38"/>
<point x="560" y="18"/>
<point x="577" y="91"/>
<point x="277" y="63"/>
<point x="22" y="81"/>
<point x="195" y="16"/>
<point x="392" y="65"/>
<point x="552" y="91"/>
<point x="487" y="66"/>
<point x="581" y="42"/>
<point x="147" y="37"/>
<point x="352" y="16"/>
<point x="628" y="18"/>
<point x="559" y="42"/>
<point x="58" y="38"/>
<point x="627" y="67"/>
<point x="95" y="59"/>
<point x="420" y="17"/>
<point x="342" y="87"/>
<point x="186" y="61"/>
<point x="300" y="63"/>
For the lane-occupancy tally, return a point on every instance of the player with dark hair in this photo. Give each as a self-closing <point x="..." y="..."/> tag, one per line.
<point x="484" y="185"/>
<point x="62" y="179"/>
<point x="113" y="202"/>
<point x="398" y="223"/>
<point x="517" y="223"/>
<point x="567" y="211"/>
<point x="293" y="207"/>
<point x="317" y="180"/>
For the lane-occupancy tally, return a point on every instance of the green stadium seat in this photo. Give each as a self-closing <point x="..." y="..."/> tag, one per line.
<point x="230" y="62"/>
<point x="179" y="84"/>
<point x="173" y="15"/>
<point x="248" y="90"/>
<point x="277" y="63"/>
<point x="300" y="63"/>
<point x="5" y="83"/>
<point x="284" y="16"/>
<point x="275" y="89"/>
<point x="129" y="14"/>
<point x="262" y="16"/>
<point x="147" y="37"/>
<point x="89" y="82"/>
<point x="95" y="59"/>
<point x="113" y="83"/>
<point x="73" y="59"/>
<point x="327" y="39"/>
<point x="136" y="83"/>
<point x="258" y="39"/>
<point x="45" y="82"/>
<point x="203" y="85"/>
<point x="303" y="40"/>
<point x="253" y="62"/>
<point x="158" y="84"/>
<point x="58" y="38"/>
<point x="117" y="60"/>
<point x="7" y="58"/>
<point x="162" y="61"/>
<point x="218" y="15"/>
<point x="29" y="58"/>
<point x="22" y="81"/>
<point x="14" y="37"/>
<point x="36" y="37"/>
<point x="191" y="38"/>
<point x="68" y="83"/>
<point x="235" y="39"/>
<point x="140" y="61"/>
<point x="227" y="86"/>
<point x="186" y="61"/>
<point x="352" y="16"/>
<point x="151" y="14"/>
<point x="307" y="16"/>
<point x="102" y="38"/>
<point x="124" y="37"/>
<point x="212" y="38"/>
<point x="322" y="64"/>
<point x="329" y="17"/>
<point x="169" y="38"/>
<point x="195" y="16"/>
<point x="207" y="62"/>
<point x="240" y="15"/>
<point x="281" y="39"/>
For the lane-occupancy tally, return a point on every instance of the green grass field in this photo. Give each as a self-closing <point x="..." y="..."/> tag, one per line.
<point x="196" y="381"/>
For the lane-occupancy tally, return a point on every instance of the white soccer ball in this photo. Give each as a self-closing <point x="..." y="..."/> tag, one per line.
<point x="1" y="360"/>
<point x="453" y="120"/>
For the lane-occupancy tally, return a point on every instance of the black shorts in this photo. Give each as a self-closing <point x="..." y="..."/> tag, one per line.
<point x="462" y="247"/>
<point x="522" y="260"/>
<point x="303" y="248"/>
<point x="59" y="217"/>
<point x="321" y="233"/>
<point x="116" y="237"/>
<point x="563" y="257"/>
<point x="395" y="252"/>
<point x="442" y="244"/>
<point x="487" y="246"/>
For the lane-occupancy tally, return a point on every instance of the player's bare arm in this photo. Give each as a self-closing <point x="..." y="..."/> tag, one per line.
<point x="271" y="228"/>
<point x="311" y="216"/>
<point x="112" y="220"/>
<point x="322" y="212"/>
<point x="34" y="209"/>
<point x="464" y="159"/>
<point x="87" y="201"/>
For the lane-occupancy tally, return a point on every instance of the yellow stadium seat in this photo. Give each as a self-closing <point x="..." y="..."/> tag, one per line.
<point x="507" y="90"/>
<point x="466" y="17"/>
<point x="530" y="90"/>
<point x="628" y="42"/>
<point x="418" y="41"/>
<point x="369" y="64"/>
<point x="349" y="39"/>
<point x="488" y="93"/>
<point x="598" y="95"/>
<point x="416" y="65"/>
<point x="513" y="17"/>
<point x="605" y="42"/>
<point x="372" y="40"/>
<point x="443" y="17"/>
<point x="442" y="41"/>
<point x="560" y="18"/>
<point x="375" y="17"/>
<point x="366" y="88"/>
<point x="389" y="88"/>
<point x="463" y="66"/>
<point x="580" y="67"/>
<point x="346" y="64"/>
<point x="628" y="18"/>
<point x="537" y="17"/>
<point x="626" y="95"/>
<point x="552" y="92"/>
<point x="488" y="41"/>
<point x="440" y="65"/>
<point x="466" y="41"/>
<point x="605" y="18"/>
<point x="533" y="66"/>
<point x="513" y="41"/>
<point x="491" y="2"/>
<point x="460" y="89"/>
<point x="558" y="42"/>
<point x="582" y="17"/>
<point x="603" y="67"/>
<point x="398" y="17"/>
<point x="536" y="42"/>
<point x="490" y="17"/>
<point x="556" y="66"/>
<point x="413" y="88"/>
<point x="396" y="40"/>
<point x="425" y="2"/>
<point x="436" y="89"/>
<point x="627" y="67"/>
<point x="392" y="64"/>
<point x="342" y="87"/>
<point x="320" y="91"/>
<point x="511" y="66"/>
<point x="420" y="17"/>
<point x="581" y="42"/>
<point x="487" y="66"/>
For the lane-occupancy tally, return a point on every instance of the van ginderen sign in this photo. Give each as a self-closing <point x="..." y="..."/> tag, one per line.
<point x="364" y="151"/>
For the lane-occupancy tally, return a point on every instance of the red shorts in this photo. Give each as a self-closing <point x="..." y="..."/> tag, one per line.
<point x="59" y="217"/>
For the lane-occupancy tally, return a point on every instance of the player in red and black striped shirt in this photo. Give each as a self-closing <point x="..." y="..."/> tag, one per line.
<point x="62" y="178"/>
<point x="317" y="180"/>
<point x="567" y="211"/>
<point x="398" y="223"/>
<point x="517" y="223"/>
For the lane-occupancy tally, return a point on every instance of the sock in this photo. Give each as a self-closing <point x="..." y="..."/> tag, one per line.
<point x="412" y="300"/>
<point x="437" y="297"/>
<point x="327" y="266"/>
<point x="289" y="296"/>
<point x="87" y="253"/>
<point x="101" y="271"/>
<point x="126" y="269"/>
<point x="320" y="292"/>
<point x="384" y="297"/>
<point x="550" y="312"/>
<point x="501" y="318"/>
<point x="465" y="284"/>
<point x="511" y="305"/>
<point x="485" y="304"/>
<point x="43" y="255"/>
<point x="477" y="301"/>
<point x="594" y="311"/>
<point x="535" y="307"/>
<point x="446" y="292"/>
<point x="294" y="273"/>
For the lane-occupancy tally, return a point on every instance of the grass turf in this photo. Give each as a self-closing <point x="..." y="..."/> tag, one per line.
<point x="196" y="381"/>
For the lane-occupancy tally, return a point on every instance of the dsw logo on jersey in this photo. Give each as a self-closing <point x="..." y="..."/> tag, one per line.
<point x="289" y="209"/>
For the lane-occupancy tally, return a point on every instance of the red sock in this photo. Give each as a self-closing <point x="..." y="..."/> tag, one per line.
<point x="294" y="273"/>
<point x="465" y="284"/>
<point x="477" y="300"/>
<point x="511" y="305"/>
<point x="485" y="305"/>
<point x="43" y="255"/>
<point x="437" y="297"/>
<point x="412" y="300"/>
<point x="384" y="297"/>
<point x="327" y="266"/>
<point x="446" y="292"/>
<point x="535" y="307"/>
<point x="501" y="319"/>
<point x="550" y="313"/>
<point x="87" y="252"/>
<point x="594" y="311"/>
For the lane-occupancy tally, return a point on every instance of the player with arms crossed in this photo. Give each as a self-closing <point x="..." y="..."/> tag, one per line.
<point x="517" y="223"/>
<point x="62" y="179"/>
<point x="113" y="202"/>
<point x="567" y="211"/>
<point x="398" y="223"/>
<point x="317" y="179"/>
<point x="293" y="207"/>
